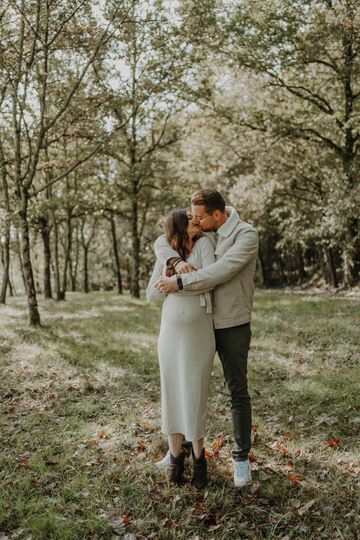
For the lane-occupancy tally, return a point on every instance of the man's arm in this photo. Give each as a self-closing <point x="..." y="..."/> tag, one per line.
<point x="241" y="252"/>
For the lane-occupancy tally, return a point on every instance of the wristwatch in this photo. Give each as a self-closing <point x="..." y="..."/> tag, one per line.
<point x="179" y="282"/>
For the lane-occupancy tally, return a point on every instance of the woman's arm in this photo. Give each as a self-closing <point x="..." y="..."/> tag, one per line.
<point x="151" y="292"/>
<point x="205" y="250"/>
<point x="163" y="250"/>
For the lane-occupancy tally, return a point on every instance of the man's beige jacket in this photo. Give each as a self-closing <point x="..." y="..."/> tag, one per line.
<point x="232" y="275"/>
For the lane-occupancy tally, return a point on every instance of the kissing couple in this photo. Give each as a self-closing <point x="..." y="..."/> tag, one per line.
<point x="204" y="272"/>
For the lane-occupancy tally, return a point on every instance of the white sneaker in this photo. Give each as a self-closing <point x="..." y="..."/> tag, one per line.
<point x="164" y="462"/>
<point x="242" y="473"/>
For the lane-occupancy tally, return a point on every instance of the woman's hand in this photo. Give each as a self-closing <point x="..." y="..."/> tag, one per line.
<point x="166" y="285"/>
<point x="183" y="267"/>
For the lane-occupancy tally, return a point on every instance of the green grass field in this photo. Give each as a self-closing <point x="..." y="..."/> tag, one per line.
<point x="80" y="419"/>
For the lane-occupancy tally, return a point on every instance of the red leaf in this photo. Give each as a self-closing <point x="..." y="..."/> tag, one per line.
<point x="217" y="444"/>
<point x="141" y="446"/>
<point x="125" y="519"/>
<point x="333" y="442"/>
<point x="282" y="449"/>
<point x="294" y="479"/>
<point x="251" y="457"/>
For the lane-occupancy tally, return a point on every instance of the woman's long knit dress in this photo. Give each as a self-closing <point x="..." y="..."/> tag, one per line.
<point x="186" y="348"/>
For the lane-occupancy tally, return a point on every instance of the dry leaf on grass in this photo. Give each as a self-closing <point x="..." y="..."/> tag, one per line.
<point x="333" y="442"/>
<point x="294" y="479"/>
<point x="119" y="524"/>
<point x="303" y="509"/>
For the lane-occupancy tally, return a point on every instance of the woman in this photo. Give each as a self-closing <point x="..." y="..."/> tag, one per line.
<point x="186" y="349"/>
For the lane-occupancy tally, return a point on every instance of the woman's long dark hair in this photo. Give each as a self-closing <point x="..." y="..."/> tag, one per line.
<point x="176" y="225"/>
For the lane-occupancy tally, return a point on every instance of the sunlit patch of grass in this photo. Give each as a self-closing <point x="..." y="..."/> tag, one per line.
<point x="81" y="419"/>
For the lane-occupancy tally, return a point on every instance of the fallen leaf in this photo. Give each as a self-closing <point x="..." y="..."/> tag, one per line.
<point x="303" y="509"/>
<point x="117" y="526"/>
<point x="24" y="461"/>
<point x="214" y="527"/>
<point x="125" y="519"/>
<point x="294" y="479"/>
<point x="326" y="420"/>
<point x="141" y="446"/>
<point x="254" y="487"/>
<point x="168" y="523"/>
<point x="9" y="410"/>
<point x="217" y="444"/>
<point x="251" y="457"/>
<point x="333" y="442"/>
<point x="282" y="449"/>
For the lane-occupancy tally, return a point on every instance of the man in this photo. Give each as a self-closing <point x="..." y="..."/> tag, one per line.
<point x="232" y="276"/>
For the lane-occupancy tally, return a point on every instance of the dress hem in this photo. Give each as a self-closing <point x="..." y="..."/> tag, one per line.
<point x="187" y="436"/>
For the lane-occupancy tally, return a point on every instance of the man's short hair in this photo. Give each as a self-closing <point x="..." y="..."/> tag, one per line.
<point x="211" y="199"/>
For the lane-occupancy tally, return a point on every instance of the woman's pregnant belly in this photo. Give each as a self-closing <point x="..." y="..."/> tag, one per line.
<point x="182" y="310"/>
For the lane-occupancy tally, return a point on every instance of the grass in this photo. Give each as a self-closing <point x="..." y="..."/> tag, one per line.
<point x="80" y="425"/>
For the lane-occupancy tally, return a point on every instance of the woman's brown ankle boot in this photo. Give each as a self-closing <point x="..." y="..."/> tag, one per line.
<point x="199" y="479"/>
<point x="176" y="469"/>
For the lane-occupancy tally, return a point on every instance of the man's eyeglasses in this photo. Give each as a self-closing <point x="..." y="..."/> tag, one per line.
<point x="190" y="215"/>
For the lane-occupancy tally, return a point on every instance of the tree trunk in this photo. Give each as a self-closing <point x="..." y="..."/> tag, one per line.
<point x="86" y="269"/>
<point x="135" y="274"/>
<point x="6" y="253"/>
<point x="6" y="262"/>
<point x="19" y="249"/>
<point x="86" y="246"/>
<point x="263" y="268"/>
<point x="73" y="266"/>
<point x="34" y="317"/>
<point x="116" y="255"/>
<point x="67" y="252"/>
<point x="128" y="273"/>
<point x="45" y="233"/>
<point x="323" y="264"/>
<point x="282" y="269"/>
<point x="56" y="259"/>
<point x="349" y="151"/>
<point x="300" y="264"/>
<point x="11" y="288"/>
<point x="332" y="267"/>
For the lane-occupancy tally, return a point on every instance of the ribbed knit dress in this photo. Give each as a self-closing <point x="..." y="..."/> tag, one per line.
<point x="186" y="349"/>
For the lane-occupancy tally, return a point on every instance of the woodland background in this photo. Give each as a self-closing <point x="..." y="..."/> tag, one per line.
<point x="112" y="113"/>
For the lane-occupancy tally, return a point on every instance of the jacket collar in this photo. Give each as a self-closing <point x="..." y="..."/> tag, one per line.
<point x="227" y="228"/>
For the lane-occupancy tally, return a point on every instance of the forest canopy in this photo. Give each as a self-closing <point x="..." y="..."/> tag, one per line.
<point x="112" y="113"/>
